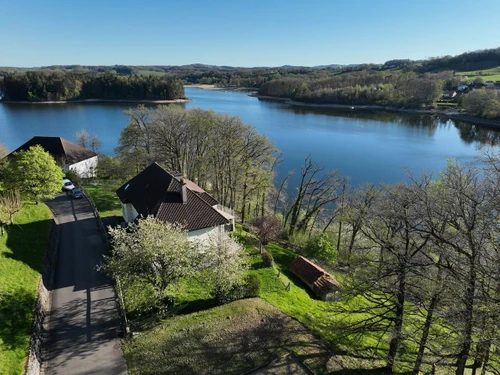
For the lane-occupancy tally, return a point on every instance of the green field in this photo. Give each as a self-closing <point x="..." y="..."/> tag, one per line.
<point x="151" y="73"/>
<point x="492" y="74"/>
<point x="103" y="192"/>
<point x="22" y="251"/>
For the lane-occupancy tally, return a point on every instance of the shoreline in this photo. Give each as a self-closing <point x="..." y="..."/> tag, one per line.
<point x="99" y="101"/>
<point x="217" y="88"/>
<point x="452" y="115"/>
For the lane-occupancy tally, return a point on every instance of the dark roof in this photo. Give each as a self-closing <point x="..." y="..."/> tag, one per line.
<point x="156" y="192"/>
<point x="63" y="151"/>
<point x="313" y="275"/>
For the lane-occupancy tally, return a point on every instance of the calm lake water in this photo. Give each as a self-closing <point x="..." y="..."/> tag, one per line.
<point x="366" y="146"/>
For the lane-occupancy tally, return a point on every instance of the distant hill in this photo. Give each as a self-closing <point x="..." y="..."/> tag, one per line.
<point x="467" y="61"/>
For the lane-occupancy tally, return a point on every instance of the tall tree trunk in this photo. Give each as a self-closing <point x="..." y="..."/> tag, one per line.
<point x="398" y="321"/>
<point x="243" y="203"/>
<point x="463" y="355"/>
<point x="486" y="358"/>
<point x="425" y="334"/>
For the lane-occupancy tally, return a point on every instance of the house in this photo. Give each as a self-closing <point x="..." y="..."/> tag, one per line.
<point x="67" y="155"/>
<point x="489" y="84"/>
<point x="449" y="94"/>
<point x="174" y="199"/>
<point x="317" y="279"/>
<point x="462" y="88"/>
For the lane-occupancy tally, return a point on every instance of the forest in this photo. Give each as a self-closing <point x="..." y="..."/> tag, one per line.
<point x="40" y="86"/>
<point x="360" y="88"/>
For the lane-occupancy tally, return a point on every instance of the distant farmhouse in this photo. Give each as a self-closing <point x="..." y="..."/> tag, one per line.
<point x="174" y="199"/>
<point x="316" y="278"/>
<point x="67" y="155"/>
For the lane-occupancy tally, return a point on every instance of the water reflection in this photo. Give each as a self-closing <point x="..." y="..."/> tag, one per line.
<point x="413" y="120"/>
<point x="471" y="133"/>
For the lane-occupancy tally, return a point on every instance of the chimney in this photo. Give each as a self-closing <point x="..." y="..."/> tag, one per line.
<point x="183" y="191"/>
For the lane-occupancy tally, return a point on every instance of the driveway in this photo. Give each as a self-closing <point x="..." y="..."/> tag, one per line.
<point x="84" y="315"/>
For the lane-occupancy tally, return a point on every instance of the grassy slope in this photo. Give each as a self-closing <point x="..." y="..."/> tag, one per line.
<point x="150" y="73"/>
<point x="228" y="339"/>
<point x="21" y="259"/>
<point x="492" y="74"/>
<point x="103" y="192"/>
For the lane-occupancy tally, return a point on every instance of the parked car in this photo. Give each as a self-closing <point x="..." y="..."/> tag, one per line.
<point x="67" y="185"/>
<point x="76" y="193"/>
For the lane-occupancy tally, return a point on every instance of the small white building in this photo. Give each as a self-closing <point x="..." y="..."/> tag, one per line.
<point x="174" y="199"/>
<point x="67" y="155"/>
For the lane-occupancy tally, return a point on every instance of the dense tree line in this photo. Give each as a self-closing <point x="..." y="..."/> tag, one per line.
<point x="36" y="86"/>
<point x="360" y="87"/>
<point x="424" y="255"/>
<point x="482" y="103"/>
<point x="475" y="60"/>
<point x="219" y="152"/>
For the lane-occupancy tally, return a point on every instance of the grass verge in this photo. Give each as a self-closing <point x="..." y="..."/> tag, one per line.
<point x="103" y="192"/>
<point x="22" y="250"/>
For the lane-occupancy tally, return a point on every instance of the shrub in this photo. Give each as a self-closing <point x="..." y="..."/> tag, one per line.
<point x="74" y="177"/>
<point x="268" y="259"/>
<point x="321" y="247"/>
<point x="250" y="288"/>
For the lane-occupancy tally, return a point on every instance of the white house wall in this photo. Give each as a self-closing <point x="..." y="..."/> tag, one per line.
<point x="203" y="234"/>
<point x="85" y="168"/>
<point x="129" y="212"/>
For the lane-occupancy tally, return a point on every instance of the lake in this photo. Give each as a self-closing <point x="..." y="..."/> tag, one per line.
<point x="367" y="146"/>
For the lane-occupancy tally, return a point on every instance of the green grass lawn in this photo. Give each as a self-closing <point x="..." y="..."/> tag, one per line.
<point x="151" y="73"/>
<point x="22" y="250"/>
<point x="492" y="74"/>
<point x="103" y="192"/>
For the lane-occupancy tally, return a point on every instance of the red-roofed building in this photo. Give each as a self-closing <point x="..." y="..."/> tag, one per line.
<point x="174" y="199"/>
<point x="316" y="278"/>
<point x="67" y="155"/>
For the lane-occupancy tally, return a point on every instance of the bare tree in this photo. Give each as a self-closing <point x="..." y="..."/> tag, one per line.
<point x="316" y="190"/>
<point x="267" y="229"/>
<point x="357" y="205"/>
<point x="10" y="203"/>
<point x="4" y="151"/>
<point x="88" y="140"/>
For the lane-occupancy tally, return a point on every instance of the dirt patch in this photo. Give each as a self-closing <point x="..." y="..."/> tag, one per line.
<point x="229" y="339"/>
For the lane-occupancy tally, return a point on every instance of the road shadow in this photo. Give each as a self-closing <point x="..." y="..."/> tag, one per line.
<point x="80" y="327"/>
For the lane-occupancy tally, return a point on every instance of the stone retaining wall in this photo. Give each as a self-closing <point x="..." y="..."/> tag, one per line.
<point x="35" y="364"/>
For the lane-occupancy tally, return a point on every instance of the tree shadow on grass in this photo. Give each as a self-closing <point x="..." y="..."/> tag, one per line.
<point x="16" y="311"/>
<point x="229" y="345"/>
<point x="28" y="243"/>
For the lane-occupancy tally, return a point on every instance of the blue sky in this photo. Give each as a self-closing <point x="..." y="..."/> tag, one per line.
<point x="241" y="33"/>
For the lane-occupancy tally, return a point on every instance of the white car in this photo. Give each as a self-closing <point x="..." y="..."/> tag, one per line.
<point x="67" y="185"/>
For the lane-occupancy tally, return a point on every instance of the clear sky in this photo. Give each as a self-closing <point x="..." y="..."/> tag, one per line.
<point x="241" y="33"/>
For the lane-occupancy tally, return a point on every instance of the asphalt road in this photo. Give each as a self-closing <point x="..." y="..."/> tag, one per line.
<point x="84" y="315"/>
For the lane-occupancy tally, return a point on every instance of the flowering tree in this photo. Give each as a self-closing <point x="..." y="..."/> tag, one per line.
<point x="225" y="263"/>
<point x="152" y="251"/>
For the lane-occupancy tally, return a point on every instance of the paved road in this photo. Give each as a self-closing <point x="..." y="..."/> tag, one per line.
<point x="84" y="316"/>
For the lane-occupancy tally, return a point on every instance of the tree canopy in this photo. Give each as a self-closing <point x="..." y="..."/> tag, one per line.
<point x="36" y="86"/>
<point x="34" y="173"/>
